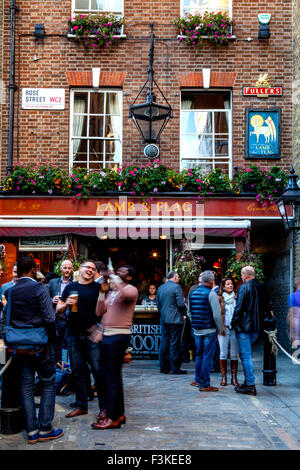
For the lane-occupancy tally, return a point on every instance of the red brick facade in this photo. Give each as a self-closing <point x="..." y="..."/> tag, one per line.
<point x="44" y="135"/>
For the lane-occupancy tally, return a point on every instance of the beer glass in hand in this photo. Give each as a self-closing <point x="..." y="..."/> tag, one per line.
<point x="74" y="295"/>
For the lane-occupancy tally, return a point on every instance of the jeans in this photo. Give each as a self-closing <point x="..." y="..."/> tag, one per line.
<point x="113" y="350"/>
<point x="169" y="350"/>
<point x="205" y="348"/>
<point x="44" y="365"/>
<point x="224" y="341"/>
<point x="83" y="351"/>
<point x="245" y="341"/>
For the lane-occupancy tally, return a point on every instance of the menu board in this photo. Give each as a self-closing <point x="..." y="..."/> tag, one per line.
<point x="9" y="260"/>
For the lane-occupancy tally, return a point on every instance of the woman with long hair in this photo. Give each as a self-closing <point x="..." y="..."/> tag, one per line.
<point x="228" y="338"/>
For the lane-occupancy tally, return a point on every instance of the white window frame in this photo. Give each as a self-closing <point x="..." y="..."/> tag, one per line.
<point x="76" y="12"/>
<point x="229" y="9"/>
<point x="87" y="137"/>
<point x="230" y="136"/>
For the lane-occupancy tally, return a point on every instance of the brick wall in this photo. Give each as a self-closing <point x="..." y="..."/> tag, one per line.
<point x="44" y="135"/>
<point x="2" y="95"/>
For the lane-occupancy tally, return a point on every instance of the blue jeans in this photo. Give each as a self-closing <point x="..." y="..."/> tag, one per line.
<point x="82" y="352"/>
<point x="245" y="341"/>
<point x="44" y="365"/>
<point x="169" y="349"/>
<point x="205" y="349"/>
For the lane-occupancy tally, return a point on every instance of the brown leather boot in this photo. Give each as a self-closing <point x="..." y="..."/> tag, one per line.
<point x="234" y="367"/>
<point x="223" y="367"/>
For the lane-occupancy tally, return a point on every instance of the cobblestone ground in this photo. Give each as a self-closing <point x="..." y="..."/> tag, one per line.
<point x="164" y="412"/>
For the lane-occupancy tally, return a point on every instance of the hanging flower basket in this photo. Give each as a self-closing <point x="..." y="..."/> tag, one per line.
<point x="193" y="28"/>
<point x="96" y="30"/>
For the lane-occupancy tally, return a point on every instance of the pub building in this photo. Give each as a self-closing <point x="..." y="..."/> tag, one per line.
<point x="73" y="103"/>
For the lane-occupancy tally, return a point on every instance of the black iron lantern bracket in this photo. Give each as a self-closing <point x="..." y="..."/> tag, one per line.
<point x="150" y="117"/>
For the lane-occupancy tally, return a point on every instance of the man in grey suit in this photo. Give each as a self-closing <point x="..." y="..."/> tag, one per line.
<point x="56" y="288"/>
<point x="171" y="306"/>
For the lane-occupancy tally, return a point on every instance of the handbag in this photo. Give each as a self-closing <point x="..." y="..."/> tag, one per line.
<point x="23" y="340"/>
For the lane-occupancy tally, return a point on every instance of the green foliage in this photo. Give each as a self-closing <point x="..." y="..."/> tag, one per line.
<point x="96" y="29"/>
<point x="143" y="180"/>
<point x="187" y="266"/>
<point x="268" y="183"/>
<point x="192" y="28"/>
<point x="247" y="258"/>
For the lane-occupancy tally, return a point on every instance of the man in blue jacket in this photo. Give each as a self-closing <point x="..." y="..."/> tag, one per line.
<point x="31" y="305"/>
<point x="206" y="318"/>
<point x="171" y="306"/>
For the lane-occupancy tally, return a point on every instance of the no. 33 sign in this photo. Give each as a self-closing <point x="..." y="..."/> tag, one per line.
<point x="43" y="98"/>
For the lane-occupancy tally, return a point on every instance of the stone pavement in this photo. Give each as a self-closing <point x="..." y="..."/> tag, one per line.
<point x="164" y="412"/>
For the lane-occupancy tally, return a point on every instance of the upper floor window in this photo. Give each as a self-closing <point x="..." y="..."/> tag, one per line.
<point x="96" y="6"/>
<point x="206" y="130"/>
<point x="200" y="6"/>
<point x="96" y="128"/>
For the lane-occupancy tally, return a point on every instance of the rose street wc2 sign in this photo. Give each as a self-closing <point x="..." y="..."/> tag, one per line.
<point x="262" y="133"/>
<point x="43" y="98"/>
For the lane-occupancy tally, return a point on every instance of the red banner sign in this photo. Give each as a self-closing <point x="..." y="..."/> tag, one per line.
<point x="255" y="91"/>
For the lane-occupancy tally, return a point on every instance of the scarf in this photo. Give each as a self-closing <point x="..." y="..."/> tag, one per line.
<point x="229" y="304"/>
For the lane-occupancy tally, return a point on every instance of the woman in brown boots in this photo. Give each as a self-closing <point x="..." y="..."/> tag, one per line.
<point x="228" y="301"/>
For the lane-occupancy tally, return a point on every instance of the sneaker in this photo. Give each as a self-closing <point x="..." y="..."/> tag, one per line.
<point x="47" y="436"/>
<point x="246" y="389"/>
<point x="179" y="372"/>
<point x="33" y="437"/>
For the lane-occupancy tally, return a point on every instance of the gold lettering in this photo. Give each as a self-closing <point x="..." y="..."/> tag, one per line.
<point x="109" y="207"/>
<point x="131" y="206"/>
<point x="120" y="207"/>
<point x="188" y="209"/>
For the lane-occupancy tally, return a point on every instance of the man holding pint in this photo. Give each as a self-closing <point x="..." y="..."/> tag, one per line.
<point x="81" y="299"/>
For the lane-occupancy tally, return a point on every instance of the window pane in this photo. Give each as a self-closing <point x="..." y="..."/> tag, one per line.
<point x="196" y="100"/>
<point x="96" y="165"/>
<point x="112" y="126"/>
<point x="98" y="5"/>
<point x="113" y="150"/>
<point x="96" y="126"/>
<point x="188" y="125"/>
<point x="202" y="5"/>
<point x="203" y="122"/>
<point x="221" y="146"/>
<point x="79" y="126"/>
<point x="96" y="150"/>
<point x="193" y="145"/>
<point x="80" y="103"/>
<point x="112" y="103"/>
<point x="97" y="103"/>
<point x="79" y="149"/>
<point x="221" y="125"/>
<point x="81" y="4"/>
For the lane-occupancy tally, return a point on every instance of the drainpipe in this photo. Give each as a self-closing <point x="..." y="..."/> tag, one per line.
<point x="12" y="87"/>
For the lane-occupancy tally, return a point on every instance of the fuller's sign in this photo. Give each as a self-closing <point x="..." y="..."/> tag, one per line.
<point x="261" y="91"/>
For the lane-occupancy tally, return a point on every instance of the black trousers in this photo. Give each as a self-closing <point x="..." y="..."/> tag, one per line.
<point x="113" y="350"/>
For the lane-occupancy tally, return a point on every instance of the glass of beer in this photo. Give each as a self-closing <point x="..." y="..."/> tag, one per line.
<point x="74" y="295"/>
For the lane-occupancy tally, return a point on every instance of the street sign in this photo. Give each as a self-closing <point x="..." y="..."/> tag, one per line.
<point x="43" y="98"/>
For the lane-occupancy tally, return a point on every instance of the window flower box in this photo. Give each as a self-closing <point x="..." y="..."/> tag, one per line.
<point x="96" y="30"/>
<point x="194" y="28"/>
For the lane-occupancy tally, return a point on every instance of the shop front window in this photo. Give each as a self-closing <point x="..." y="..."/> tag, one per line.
<point x="96" y="6"/>
<point x="206" y="133"/>
<point x="96" y="129"/>
<point x="200" y="6"/>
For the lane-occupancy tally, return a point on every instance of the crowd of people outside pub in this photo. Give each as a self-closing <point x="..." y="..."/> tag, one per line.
<point x="90" y="313"/>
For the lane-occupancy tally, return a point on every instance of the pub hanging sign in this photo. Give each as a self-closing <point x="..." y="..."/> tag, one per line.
<point x="263" y="133"/>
